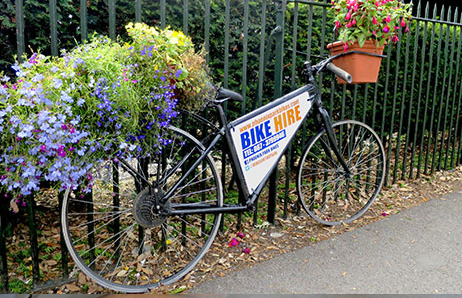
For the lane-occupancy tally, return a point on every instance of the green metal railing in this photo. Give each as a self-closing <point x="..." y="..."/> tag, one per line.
<point x="257" y="47"/>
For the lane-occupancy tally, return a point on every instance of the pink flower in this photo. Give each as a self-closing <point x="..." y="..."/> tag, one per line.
<point x="395" y="38"/>
<point x="345" y="47"/>
<point x="384" y="214"/>
<point x="374" y="21"/>
<point x="353" y="22"/>
<point x="240" y="235"/>
<point x="61" y="151"/>
<point x="348" y="15"/>
<point x="403" y="23"/>
<point x="388" y="19"/>
<point x="246" y="250"/>
<point x="348" y="25"/>
<point x="338" y="24"/>
<point x="386" y="29"/>
<point x="233" y="242"/>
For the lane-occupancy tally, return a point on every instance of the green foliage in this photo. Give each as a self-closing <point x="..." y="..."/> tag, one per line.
<point x="37" y="29"/>
<point x="18" y="286"/>
<point x="359" y="20"/>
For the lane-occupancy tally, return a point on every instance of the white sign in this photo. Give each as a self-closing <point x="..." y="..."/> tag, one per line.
<point x="261" y="140"/>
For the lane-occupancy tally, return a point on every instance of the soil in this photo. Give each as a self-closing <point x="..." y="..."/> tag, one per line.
<point x="259" y="242"/>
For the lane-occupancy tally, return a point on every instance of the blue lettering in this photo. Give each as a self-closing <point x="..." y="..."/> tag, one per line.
<point x="268" y="128"/>
<point x="245" y="140"/>
<point x="256" y="134"/>
<point x="259" y="132"/>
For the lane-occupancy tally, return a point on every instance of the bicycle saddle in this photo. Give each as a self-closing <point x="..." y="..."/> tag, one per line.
<point x="224" y="94"/>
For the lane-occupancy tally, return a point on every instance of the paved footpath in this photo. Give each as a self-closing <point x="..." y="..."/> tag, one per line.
<point x="418" y="251"/>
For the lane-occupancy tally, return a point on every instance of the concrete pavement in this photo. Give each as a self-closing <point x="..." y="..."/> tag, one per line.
<point x="418" y="251"/>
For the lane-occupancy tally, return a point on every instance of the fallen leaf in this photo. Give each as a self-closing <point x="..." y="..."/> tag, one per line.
<point x="147" y="271"/>
<point x="51" y="262"/>
<point x="82" y="278"/>
<point x="178" y="290"/>
<point x="72" y="288"/>
<point x="121" y="273"/>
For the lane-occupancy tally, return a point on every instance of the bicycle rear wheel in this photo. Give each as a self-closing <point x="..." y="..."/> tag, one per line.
<point x="329" y="194"/>
<point x="116" y="236"/>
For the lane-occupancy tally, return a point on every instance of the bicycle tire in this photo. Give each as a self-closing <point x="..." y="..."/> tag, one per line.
<point x="326" y="192"/>
<point x="125" y="247"/>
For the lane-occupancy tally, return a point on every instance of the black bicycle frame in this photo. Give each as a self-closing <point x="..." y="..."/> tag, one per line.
<point x="323" y="119"/>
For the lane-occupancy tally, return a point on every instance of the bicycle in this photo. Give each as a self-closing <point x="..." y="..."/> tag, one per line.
<point x="148" y="222"/>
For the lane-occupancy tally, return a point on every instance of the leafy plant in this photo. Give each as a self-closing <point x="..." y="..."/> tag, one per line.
<point x="103" y="99"/>
<point x="360" y="20"/>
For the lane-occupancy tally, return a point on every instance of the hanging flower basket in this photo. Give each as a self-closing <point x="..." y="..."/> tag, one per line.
<point x="363" y="64"/>
<point x="102" y="100"/>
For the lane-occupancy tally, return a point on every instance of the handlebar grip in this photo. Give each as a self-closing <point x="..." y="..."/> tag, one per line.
<point x="340" y="72"/>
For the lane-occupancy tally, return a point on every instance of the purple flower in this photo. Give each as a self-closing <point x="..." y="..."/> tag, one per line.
<point x="32" y="58"/>
<point x="57" y="83"/>
<point x="178" y="73"/>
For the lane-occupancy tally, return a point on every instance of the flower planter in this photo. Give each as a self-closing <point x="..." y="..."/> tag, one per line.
<point x="362" y="67"/>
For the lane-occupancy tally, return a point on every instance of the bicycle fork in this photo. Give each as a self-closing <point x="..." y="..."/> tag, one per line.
<point x="323" y="119"/>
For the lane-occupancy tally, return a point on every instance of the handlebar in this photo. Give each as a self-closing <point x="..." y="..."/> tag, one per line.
<point x="339" y="72"/>
<point x="327" y="64"/>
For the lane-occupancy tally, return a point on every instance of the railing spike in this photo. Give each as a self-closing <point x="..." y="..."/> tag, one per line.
<point x="427" y="9"/>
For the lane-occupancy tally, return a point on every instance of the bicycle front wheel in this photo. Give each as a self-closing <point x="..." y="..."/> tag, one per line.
<point x="117" y="233"/>
<point x="326" y="191"/>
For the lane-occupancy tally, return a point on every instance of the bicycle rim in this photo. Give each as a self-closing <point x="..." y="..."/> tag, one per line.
<point x="329" y="194"/>
<point x="112" y="233"/>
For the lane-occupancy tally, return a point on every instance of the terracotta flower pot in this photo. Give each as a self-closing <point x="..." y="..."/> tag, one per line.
<point x="363" y="68"/>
